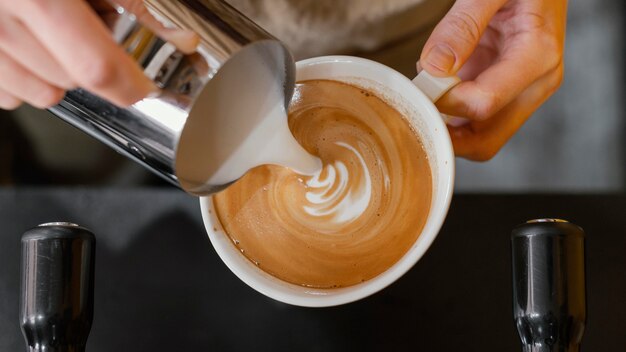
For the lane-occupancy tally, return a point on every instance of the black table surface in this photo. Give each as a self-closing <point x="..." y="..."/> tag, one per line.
<point x="160" y="286"/>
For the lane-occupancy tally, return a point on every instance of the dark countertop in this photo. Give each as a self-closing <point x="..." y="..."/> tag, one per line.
<point x="161" y="287"/>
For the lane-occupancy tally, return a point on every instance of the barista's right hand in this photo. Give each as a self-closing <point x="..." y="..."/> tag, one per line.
<point x="48" y="47"/>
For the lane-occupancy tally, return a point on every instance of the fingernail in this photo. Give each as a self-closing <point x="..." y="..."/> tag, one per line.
<point x="145" y="90"/>
<point x="440" y="57"/>
<point x="154" y="94"/>
<point x="153" y="90"/>
<point x="455" y="121"/>
<point x="68" y="84"/>
<point x="185" y="40"/>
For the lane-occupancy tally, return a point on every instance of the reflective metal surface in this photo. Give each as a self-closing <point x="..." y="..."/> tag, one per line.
<point x="545" y="220"/>
<point x="149" y="132"/>
<point x="56" y="298"/>
<point x="59" y="223"/>
<point x="549" y="304"/>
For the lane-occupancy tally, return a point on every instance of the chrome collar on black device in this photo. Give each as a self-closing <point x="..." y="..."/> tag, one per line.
<point x="549" y="304"/>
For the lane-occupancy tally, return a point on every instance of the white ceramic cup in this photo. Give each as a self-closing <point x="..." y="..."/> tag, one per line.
<point x="412" y="102"/>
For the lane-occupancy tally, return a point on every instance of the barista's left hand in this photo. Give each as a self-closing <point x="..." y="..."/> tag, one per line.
<point x="509" y="54"/>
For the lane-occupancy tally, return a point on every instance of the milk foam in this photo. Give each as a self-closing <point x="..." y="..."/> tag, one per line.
<point x="270" y="142"/>
<point x="330" y="195"/>
<point x="348" y="222"/>
<point x="240" y="122"/>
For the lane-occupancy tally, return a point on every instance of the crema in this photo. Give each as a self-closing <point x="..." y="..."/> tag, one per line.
<point x="353" y="219"/>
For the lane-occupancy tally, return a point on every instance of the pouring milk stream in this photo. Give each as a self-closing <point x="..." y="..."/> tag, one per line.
<point x="222" y="110"/>
<point x="245" y="123"/>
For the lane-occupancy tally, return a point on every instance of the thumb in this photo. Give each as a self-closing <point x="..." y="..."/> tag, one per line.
<point x="457" y="35"/>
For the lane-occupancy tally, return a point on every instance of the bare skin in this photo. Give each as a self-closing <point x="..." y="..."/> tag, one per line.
<point x="509" y="53"/>
<point x="510" y="56"/>
<point x="48" y="47"/>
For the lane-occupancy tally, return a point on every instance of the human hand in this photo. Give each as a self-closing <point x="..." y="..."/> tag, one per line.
<point x="509" y="54"/>
<point x="48" y="47"/>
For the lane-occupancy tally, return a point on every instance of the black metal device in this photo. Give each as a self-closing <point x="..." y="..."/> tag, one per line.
<point x="549" y="303"/>
<point x="56" y="301"/>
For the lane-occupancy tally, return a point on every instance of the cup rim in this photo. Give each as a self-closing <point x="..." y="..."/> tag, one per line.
<point x="279" y="290"/>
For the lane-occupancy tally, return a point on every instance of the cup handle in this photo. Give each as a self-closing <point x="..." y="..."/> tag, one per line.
<point x="435" y="87"/>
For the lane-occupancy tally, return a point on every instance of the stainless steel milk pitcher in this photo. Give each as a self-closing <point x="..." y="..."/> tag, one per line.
<point x="152" y="131"/>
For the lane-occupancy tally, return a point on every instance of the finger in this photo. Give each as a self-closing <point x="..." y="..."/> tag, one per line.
<point x="501" y="83"/>
<point x="85" y="49"/>
<point x="185" y="40"/>
<point x="481" y="140"/>
<point x="8" y="101"/>
<point x="457" y="34"/>
<point x="486" y="54"/>
<point x="24" y="85"/>
<point x="17" y="42"/>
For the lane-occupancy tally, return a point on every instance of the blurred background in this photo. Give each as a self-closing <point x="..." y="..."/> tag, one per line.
<point x="575" y="143"/>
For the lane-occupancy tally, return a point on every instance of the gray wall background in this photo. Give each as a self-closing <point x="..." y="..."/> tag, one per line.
<point x="575" y="141"/>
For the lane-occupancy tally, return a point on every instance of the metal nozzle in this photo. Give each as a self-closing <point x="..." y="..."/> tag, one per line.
<point x="549" y="285"/>
<point x="56" y="301"/>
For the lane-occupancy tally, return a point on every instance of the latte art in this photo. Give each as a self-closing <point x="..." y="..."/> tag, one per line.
<point x="330" y="192"/>
<point x="353" y="219"/>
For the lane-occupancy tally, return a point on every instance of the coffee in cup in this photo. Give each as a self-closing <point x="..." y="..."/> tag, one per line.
<point x="413" y="101"/>
<point x="352" y="220"/>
